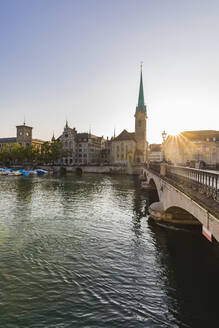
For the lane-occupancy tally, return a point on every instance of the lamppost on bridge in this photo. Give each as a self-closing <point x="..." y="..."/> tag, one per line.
<point x="164" y="135"/>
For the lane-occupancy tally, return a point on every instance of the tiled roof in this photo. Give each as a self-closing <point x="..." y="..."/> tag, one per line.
<point x="8" y="140"/>
<point x="85" y="135"/>
<point x="38" y="140"/>
<point x="201" y="134"/>
<point x="125" y="135"/>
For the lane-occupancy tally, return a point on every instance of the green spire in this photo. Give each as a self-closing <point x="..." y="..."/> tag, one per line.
<point x="141" y="106"/>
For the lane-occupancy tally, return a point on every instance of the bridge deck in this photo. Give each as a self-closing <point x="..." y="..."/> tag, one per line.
<point x="211" y="205"/>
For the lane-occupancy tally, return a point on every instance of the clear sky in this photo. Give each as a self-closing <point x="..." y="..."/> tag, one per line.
<point x="80" y="60"/>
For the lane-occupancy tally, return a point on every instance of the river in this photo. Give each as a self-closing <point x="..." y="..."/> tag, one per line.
<point x="79" y="251"/>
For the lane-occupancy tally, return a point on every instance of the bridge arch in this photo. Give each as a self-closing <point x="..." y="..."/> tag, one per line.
<point x="180" y="215"/>
<point x="154" y="193"/>
<point x="155" y="186"/>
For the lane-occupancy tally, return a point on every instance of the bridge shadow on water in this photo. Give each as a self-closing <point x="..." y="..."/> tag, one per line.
<point x="189" y="274"/>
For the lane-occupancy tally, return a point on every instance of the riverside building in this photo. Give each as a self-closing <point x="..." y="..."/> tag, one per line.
<point x="24" y="138"/>
<point x="193" y="148"/>
<point x="84" y="148"/>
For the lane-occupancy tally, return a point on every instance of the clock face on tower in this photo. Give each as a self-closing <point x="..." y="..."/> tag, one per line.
<point x="20" y="133"/>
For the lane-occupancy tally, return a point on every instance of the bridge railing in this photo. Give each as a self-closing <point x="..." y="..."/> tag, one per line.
<point x="204" y="182"/>
<point x="154" y="166"/>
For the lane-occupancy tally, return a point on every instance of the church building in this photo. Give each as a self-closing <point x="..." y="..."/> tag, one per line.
<point x="131" y="147"/>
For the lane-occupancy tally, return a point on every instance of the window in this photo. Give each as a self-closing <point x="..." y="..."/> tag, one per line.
<point x="139" y="123"/>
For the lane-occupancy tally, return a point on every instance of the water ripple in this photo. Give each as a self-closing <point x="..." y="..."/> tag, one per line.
<point x="78" y="252"/>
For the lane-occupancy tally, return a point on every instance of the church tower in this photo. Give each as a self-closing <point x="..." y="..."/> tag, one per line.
<point x="140" y="125"/>
<point x="24" y="135"/>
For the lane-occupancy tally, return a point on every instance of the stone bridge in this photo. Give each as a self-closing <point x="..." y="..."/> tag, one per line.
<point x="178" y="203"/>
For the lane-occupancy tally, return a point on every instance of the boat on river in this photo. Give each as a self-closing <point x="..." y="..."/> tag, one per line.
<point x="13" y="172"/>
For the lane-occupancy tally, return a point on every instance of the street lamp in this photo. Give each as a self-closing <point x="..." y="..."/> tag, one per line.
<point x="164" y="135"/>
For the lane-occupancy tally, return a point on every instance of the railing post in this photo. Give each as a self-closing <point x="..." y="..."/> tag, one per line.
<point x="163" y="169"/>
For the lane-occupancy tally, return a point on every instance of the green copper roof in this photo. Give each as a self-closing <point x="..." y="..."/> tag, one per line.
<point x="141" y="106"/>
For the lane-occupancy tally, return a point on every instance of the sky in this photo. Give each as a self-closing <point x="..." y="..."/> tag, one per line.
<point x="80" y="61"/>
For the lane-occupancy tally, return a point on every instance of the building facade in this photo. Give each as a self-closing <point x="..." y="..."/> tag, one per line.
<point x="193" y="148"/>
<point x="155" y="153"/>
<point x="83" y="148"/>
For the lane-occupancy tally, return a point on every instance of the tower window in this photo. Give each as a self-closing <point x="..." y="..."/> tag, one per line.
<point x="139" y="123"/>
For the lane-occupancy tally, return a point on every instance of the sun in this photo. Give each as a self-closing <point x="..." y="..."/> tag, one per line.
<point x="173" y="131"/>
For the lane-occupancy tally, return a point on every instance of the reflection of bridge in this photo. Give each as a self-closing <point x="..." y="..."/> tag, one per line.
<point x="185" y="196"/>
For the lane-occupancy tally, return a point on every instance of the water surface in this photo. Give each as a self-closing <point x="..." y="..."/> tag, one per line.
<point x="80" y="252"/>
